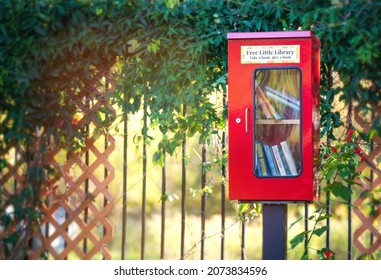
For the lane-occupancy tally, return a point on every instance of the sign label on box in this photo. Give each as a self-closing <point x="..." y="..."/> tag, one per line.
<point x="270" y="54"/>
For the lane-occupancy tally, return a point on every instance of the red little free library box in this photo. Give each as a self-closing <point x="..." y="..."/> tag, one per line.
<point x="273" y="112"/>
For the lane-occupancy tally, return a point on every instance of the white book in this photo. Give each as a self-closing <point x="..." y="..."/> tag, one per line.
<point x="283" y="95"/>
<point x="283" y="101"/>
<point x="278" y="160"/>
<point x="289" y="157"/>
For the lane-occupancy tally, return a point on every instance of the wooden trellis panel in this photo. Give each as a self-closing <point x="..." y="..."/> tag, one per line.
<point x="12" y="181"/>
<point x="74" y="202"/>
<point x="12" y="177"/>
<point x="367" y="237"/>
<point x="75" y="219"/>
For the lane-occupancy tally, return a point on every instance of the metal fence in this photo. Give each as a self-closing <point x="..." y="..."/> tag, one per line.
<point x="91" y="205"/>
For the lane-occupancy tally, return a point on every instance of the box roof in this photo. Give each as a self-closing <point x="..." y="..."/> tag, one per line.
<point x="273" y="35"/>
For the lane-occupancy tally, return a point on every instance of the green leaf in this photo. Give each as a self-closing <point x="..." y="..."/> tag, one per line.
<point x="300" y="218"/>
<point x="99" y="11"/>
<point x="330" y="172"/>
<point x="170" y="197"/>
<point x="342" y="191"/>
<point x="320" y="231"/>
<point x="324" y="217"/>
<point x="258" y="23"/>
<point x="247" y="23"/>
<point x="329" y="187"/>
<point x="298" y="239"/>
<point x="158" y="158"/>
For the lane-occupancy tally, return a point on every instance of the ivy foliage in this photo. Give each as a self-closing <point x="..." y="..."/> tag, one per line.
<point x="171" y="52"/>
<point x="168" y="56"/>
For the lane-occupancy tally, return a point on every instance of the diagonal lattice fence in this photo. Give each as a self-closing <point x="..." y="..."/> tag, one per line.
<point x="75" y="220"/>
<point x="367" y="237"/>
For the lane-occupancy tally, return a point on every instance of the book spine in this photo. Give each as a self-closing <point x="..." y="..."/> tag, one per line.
<point x="293" y="152"/>
<point x="271" y="161"/>
<point x="258" y="170"/>
<point x="284" y="161"/>
<point x="262" y="160"/>
<point x="278" y="160"/>
<point x="265" y="111"/>
<point x="289" y="158"/>
<point x="283" y="95"/>
<point x="268" y="104"/>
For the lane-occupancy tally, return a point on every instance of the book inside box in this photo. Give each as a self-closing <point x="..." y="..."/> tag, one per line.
<point x="277" y="122"/>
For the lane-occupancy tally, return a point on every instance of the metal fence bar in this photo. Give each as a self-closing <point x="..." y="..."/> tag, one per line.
<point x="223" y="185"/>
<point x="183" y="190"/>
<point x="349" y="232"/>
<point x="328" y="195"/>
<point x="371" y="175"/>
<point x="14" y="180"/>
<point x="67" y="230"/>
<point x="144" y="183"/>
<point x="203" y="201"/>
<point x="86" y="211"/>
<point x="105" y="174"/>
<point x="328" y="211"/>
<point x="350" y="227"/>
<point x="163" y="199"/>
<point x="306" y="227"/>
<point x="124" y="196"/>
<point x="105" y="170"/>
<point x="223" y="209"/>
<point x="243" y="235"/>
<point x="371" y="239"/>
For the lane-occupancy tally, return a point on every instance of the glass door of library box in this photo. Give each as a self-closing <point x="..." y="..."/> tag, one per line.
<point x="277" y="122"/>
